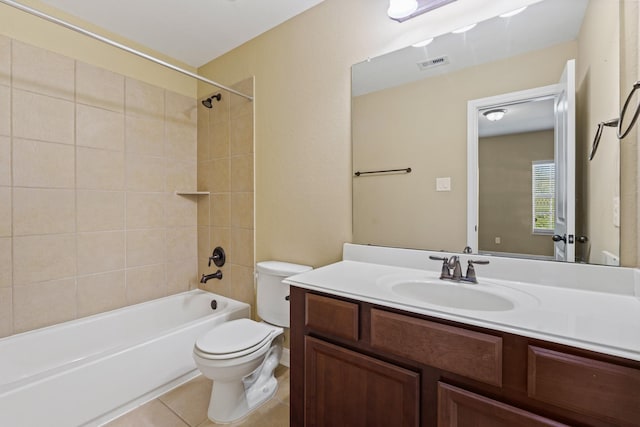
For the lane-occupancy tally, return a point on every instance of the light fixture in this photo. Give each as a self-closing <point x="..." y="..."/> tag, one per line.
<point x="423" y="43"/>
<point x="399" y="9"/>
<point x="464" y="29"/>
<point x="402" y="10"/>
<point x="513" y="12"/>
<point x="495" y="114"/>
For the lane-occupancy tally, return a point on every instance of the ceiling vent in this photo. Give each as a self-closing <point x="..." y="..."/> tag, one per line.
<point x="433" y="62"/>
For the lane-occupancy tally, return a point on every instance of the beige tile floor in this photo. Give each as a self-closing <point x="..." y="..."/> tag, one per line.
<point x="186" y="406"/>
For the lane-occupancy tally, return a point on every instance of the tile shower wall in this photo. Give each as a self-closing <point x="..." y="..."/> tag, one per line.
<point x="89" y="164"/>
<point x="225" y="169"/>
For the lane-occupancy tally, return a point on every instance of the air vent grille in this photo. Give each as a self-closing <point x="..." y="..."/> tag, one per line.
<point x="433" y="62"/>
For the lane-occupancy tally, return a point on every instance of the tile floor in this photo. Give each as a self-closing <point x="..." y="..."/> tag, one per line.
<point x="186" y="406"/>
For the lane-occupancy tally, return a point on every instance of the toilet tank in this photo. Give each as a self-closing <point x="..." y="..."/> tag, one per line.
<point x="271" y="298"/>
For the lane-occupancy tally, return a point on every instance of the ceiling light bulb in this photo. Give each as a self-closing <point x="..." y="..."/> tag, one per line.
<point x="494" y="115"/>
<point x="464" y="29"/>
<point x="401" y="8"/>
<point x="513" y="12"/>
<point x="423" y="43"/>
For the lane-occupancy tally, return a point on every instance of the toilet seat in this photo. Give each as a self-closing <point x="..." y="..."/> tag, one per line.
<point x="235" y="338"/>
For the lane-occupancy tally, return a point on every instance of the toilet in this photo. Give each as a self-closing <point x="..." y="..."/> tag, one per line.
<point x="241" y="355"/>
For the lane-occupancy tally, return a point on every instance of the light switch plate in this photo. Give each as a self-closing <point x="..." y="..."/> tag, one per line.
<point x="616" y="211"/>
<point x="443" y="184"/>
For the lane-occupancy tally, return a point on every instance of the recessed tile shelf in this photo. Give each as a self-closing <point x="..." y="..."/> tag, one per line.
<point x="192" y="193"/>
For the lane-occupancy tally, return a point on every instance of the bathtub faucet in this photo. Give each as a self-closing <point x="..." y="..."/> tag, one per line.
<point x="216" y="275"/>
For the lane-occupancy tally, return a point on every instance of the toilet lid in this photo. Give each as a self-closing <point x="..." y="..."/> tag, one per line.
<point x="234" y="336"/>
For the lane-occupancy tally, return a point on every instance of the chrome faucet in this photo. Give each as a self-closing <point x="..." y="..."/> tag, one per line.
<point x="451" y="269"/>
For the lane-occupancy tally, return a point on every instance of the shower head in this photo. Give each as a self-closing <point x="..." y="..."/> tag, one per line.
<point x="209" y="101"/>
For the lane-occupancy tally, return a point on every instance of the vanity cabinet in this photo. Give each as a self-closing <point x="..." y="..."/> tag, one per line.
<point x="359" y="364"/>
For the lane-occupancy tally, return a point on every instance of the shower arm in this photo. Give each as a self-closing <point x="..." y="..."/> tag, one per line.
<point x="110" y="42"/>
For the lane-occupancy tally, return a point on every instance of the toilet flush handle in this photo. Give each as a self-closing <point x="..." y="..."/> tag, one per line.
<point x="287" y="298"/>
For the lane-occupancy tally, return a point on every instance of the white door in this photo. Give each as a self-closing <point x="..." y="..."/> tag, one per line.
<point x="565" y="158"/>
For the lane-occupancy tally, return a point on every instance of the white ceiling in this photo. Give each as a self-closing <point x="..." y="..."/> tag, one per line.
<point x="191" y="31"/>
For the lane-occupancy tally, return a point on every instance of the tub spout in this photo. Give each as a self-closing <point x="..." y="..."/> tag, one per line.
<point x="216" y="275"/>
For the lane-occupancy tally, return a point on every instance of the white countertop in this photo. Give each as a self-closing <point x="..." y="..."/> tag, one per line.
<point x="598" y="320"/>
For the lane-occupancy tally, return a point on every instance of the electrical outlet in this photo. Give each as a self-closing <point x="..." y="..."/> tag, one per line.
<point x="443" y="184"/>
<point x="498" y="240"/>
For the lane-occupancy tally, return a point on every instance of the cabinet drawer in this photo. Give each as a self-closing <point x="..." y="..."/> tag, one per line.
<point x="471" y="354"/>
<point x="599" y="389"/>
<point x="458" y="407"/>
<point x="332" y="316"/>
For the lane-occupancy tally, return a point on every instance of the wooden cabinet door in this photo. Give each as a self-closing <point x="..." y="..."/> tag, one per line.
<point x="462" y="408"/>
<point x="345" y="388"/>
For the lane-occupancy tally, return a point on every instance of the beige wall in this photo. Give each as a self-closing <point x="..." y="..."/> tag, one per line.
<point x="302" y="111"/>
<point x="38" y="32"/>
<point x="89" y="163"/>
<point x="225" y="169"/>
<point x="504" y="187"/>
<point x="598" y="181"/>
<point x="422" y="125"/>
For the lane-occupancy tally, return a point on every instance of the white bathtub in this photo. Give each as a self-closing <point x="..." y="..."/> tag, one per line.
<point x="88" y="371"/>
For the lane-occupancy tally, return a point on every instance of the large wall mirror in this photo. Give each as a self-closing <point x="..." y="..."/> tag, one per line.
<point x="417" y="111"/>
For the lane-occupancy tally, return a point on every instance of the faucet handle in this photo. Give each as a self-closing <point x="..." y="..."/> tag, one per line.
<point x="471" y="271"/>
<point x="445" y="273"/>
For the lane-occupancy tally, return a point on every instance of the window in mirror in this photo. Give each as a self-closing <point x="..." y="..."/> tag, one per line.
<point x="543" y="184"/>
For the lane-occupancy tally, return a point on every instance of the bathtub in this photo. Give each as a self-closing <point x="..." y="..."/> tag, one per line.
<point x="88" y="371"/>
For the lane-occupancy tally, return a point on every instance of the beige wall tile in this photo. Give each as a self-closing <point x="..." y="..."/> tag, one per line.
<point x="220" y="112"/>
<point x="146" y="283"/>
<point x="182" y="275"/>
<point x="145" y="210"/>
<point x="43" y="211"/>
<point x="243" y="284"/>
<point x="145" y="173"/>
<point x="5" y="110"/>
<point x="240" y="105"/>
<point x="145" y="247"/>
<point x="219" y="143"/>
<point x="100" y="252"/>
<point x="43" y="304"/>
<point x="100" y="169"/>
<point x="99" y="87"/>
<point x="5" y="61"/>
<point x="99" y="128"/>
<point x="203" y="132"/>
<point x="145" y="135"/>
<point x="42" y="71"/>
<point x="203" y="210"/>
<point x="220" y="210"/>
<point x="6" y="312"/>
<point x="182" y="243"/>
<point x="181" y="141"/>
<point x="100" y="210"/>
<point x="181" y="176"/>
<point x="42" y="164"/>
<point x="5" y="211"/>
<point x="180" y="108"/>
<point x="181" y="211"/>
<point x="143" y="99"/>
<point x="204" y="248"/>
<point x="242" y="134"/>
<point x="42" y="258"/>
<point x="220" y="176"/>
<point x="42" y="117"/>
<point x="101" y="292"/>
<point x="241" y="247"/>
<point x="5" y="160"/>
<point x="242" y="173"/>
<point x="204" y="175"/>
<point x="5" y="262"/>
<point x="220" y="236"/>
<point x="242" y="210"/>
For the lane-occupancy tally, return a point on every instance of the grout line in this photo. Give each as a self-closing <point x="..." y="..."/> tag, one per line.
<point x="159" y="399"/>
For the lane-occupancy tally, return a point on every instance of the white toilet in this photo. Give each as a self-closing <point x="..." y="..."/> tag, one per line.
<point x="241" y="355"/>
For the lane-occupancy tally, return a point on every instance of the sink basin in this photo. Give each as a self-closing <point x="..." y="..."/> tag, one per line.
<point x="455" y="295"/>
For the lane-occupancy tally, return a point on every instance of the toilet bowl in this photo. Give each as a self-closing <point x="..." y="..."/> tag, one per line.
<point x="241" y="355"/>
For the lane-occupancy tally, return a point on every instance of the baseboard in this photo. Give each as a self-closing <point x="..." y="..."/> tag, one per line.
<point x="285" y="359"/>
